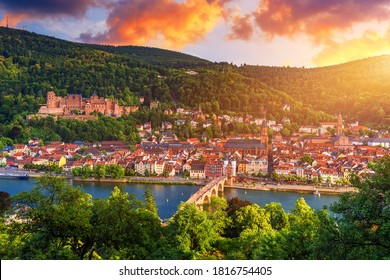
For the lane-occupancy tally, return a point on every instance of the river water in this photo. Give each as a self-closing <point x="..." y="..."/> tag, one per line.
<point x="168" y="197"/>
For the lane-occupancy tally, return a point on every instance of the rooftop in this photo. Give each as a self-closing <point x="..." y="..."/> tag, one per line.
<point x="244" y="144"/>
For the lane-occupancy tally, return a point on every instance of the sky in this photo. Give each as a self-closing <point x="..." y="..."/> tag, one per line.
<point x="299" y="33"/>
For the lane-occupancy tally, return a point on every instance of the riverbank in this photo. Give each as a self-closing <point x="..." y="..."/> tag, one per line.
<point x="159" y="182"/>
<point x="142" y="180"/>
<point x="127" y="179"/>
<point x="308" y="189"/>
<point x="103" y="180"/>
<point x="295" y="188"/>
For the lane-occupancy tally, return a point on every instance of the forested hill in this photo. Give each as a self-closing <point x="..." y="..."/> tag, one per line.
<point x="156" y="56"/>
<point x="359" y="89"/>
<point x="32" y="64"/>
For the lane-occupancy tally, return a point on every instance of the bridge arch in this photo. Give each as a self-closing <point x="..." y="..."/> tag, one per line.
<point x="220" y="187"/>
<point x="206" y="199"/>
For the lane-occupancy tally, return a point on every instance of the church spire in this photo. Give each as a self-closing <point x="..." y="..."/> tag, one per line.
<point x="339" y="125"/>
<point x="264" y="134"/>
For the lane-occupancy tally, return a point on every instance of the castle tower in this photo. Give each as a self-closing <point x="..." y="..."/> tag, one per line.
<point x="339" y="125"/>
<point x="51" y="99"/>
<point x="88" y="108"/>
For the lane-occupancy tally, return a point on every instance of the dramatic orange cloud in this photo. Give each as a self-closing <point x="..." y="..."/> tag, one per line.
<point x="323" y="22"/>
<point x="370" y="44"/>
<point x="242" y="28"/>
<point x="316" y="18"/>
<point x="11" y="19"/>
<point x="162" y="23"/>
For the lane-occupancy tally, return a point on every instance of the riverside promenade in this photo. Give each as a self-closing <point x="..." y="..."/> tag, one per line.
<point x="144" y="180"/>
<point x="312" y="189"/>
<point x="295" y="188"/>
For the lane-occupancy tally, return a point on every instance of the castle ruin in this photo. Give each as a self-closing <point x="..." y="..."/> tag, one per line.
<point x="75" y="104"/>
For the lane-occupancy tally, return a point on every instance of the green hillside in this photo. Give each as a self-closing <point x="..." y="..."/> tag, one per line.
<point x="155" y="56"/>
<point x="32" y="64"/>
<point x="359" y="89"/>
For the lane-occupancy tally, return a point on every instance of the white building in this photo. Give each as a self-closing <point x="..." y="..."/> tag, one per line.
<point x="384" y="142"/>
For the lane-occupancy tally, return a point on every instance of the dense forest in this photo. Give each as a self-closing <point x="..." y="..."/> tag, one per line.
<point x="155" y="56"/>
<point x="57" y="221"/>
<point x="358" y="89"/>
<point x="32" y="64"/>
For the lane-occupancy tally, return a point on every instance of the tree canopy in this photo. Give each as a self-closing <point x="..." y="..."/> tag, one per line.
<point x="58" y="221"/>
<point x="32" y="64"/>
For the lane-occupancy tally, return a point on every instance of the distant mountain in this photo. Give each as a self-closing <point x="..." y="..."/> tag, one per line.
<point x="359" y="89"/>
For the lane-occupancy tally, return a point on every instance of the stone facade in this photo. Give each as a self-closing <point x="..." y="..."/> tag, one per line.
<point x="74" y="104"/>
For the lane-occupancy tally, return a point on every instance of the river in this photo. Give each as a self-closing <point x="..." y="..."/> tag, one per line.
<point x="168" y="197"/>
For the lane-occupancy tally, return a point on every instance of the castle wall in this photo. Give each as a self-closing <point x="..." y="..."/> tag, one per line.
<point x="129" y="109"/>
<point x="51" y="99"/>
<point x="58" y="105"/>
<point x="73" y="102"/>
<point x="52" y="111"/>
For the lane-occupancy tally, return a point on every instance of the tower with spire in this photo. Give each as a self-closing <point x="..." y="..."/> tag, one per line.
<point x="339" y="125"/>
<point x="341" y="141"/>
<point x="264" y="134"/>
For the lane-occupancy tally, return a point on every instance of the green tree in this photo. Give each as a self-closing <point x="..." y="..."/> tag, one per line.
<point x="4" y="141"/>
<point x="77" y="157"/>
<point x="252" y="218"/>
<point x="165" y="173"/>
<point x="286" y="132"/>
<point x="278" y="217"/>
<point x="129" y="172"/>
<point x="123" y="229"/>
<point x="150" y="203"/>
<point x="274" y="175"/>
<point x="116" y="171"/>
<point x="76" y="171"/>
<point x="364" y="217"/>
<point x="60" y="220"/>
<point x="217" y="213"/>
<point x="195" y="232"/>
<point x="186" y="173"/>
<point x="251" y="223"/>
<point x="306" y="159"/>
<point x="301" y="237"/>
<point x="86" y="171"/>
<point x="5" y="202"/>
<point x="304" y="224"/>
<point x="99" y="171"/>
<point x="12" y="241"/>
<point x="209" y="132"/>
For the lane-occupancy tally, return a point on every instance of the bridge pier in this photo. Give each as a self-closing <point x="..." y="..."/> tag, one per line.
<point x="230" y="181"/>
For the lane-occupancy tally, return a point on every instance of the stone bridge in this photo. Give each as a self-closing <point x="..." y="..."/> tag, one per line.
<point x="213" y="188"/>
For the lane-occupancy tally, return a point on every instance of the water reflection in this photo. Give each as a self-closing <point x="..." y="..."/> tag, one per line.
<point x="168" y="197"/>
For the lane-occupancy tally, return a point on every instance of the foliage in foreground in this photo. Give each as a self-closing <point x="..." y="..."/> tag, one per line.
<point x="57" y="221"/>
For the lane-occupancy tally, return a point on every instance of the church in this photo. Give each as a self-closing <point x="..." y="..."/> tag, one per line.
<point x="341" y="141"/>
<point x="257" y="147"/>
